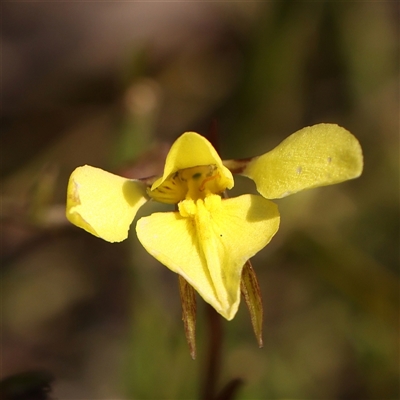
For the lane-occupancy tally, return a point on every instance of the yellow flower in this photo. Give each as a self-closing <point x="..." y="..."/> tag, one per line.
<point x="208" y="238"/>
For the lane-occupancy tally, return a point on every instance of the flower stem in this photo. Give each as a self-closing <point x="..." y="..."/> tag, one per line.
<point x="213" y="363"/>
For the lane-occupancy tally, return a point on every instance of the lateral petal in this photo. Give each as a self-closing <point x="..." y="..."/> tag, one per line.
<point x="318" y="155"/>
<point x="209" y="241"/>
<point x="102" y="203"/>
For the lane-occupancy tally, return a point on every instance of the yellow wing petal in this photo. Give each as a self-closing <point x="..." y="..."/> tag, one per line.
<point x="209" y="245"/>
<point x="103" y="204"/>
<point x="319" y="155"/>
<point x="192" y="150"/>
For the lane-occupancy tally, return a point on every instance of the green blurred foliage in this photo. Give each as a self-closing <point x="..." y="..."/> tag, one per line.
<point x="105" y="319"/>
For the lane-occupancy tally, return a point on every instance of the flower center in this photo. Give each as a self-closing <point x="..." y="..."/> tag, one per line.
<point x="190" y="208"/>
<point x="189" y="183"/>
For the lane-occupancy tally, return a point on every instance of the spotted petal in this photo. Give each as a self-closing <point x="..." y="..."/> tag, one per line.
<point x="209" y="241"/>
<point x="192" y="150"/>
<point x="103" y="204"/>
<point x="318" y="155"/>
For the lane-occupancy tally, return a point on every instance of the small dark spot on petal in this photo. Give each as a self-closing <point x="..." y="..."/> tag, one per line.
<point x="197" y="175"/>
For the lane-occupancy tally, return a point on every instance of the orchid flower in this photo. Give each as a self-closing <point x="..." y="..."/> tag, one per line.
<point x="209" y="238"/>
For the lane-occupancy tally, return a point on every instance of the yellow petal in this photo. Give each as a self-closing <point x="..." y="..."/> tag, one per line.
<point x="318" y="155"/>
<point x="192" y="150"/>
<point x="209" y="241"/>
<point x="103" y="204"/>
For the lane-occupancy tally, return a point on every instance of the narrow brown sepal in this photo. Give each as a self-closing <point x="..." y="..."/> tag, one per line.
<point x="251" y="292"/>
<point x="188" y="299"/>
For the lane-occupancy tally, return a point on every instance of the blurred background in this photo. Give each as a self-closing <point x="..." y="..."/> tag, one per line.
<point x="112" y="85"/>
